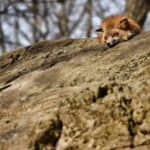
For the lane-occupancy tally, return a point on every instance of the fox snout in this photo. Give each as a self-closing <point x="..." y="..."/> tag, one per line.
<point x="112" y="42"/>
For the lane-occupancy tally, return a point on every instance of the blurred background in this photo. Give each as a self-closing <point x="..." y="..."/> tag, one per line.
<point x="23" y="22"/>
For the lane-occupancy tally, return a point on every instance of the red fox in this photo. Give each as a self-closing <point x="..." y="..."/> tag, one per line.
<point x="116" y="29"/>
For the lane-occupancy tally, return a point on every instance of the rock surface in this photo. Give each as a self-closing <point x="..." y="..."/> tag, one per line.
<point x="76" y="95"/>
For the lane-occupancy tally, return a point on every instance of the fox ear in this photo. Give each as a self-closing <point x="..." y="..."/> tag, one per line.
<point x="99" y="30"/>
<point x="124" y="24"/>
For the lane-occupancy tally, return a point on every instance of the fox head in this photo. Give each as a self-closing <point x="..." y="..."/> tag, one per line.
<point x="111" y="38"/>
<point x="114" y="30"/>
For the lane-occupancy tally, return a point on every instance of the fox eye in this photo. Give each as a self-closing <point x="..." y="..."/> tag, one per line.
<point x="115" y="35"/>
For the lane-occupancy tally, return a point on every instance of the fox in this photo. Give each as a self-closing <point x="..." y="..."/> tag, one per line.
<point x="115" y="29"/>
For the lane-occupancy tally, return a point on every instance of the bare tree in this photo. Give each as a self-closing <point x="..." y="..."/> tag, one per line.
<point x="63" y="20"/>
<point x="35" y="11"/>
<point x="2" y="39"/>
<point x="138" y="10"/>
<point x="88" y="10"/>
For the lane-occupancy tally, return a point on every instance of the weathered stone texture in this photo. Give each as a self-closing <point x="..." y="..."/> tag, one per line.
<point x="76" y="95"/>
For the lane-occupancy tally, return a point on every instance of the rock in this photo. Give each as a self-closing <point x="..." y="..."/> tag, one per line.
<point x="76" y="94"/>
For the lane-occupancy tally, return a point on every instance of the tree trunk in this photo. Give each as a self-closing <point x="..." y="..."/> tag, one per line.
<point x="2" y="42"/>
<point x="138" y="10"/>
<point x="89" y="19"/>
<point x="35" y="20"/>
<point x="63" y="21"/>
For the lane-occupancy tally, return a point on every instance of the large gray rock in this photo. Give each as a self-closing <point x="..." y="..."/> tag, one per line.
<point x="76" y="95"/>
